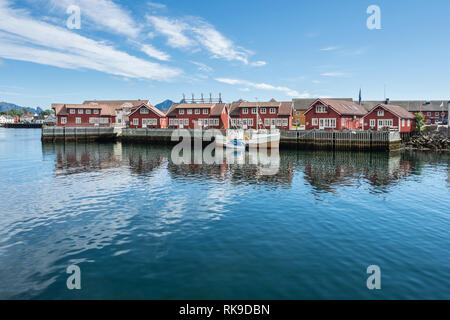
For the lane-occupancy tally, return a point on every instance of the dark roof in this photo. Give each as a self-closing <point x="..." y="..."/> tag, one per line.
<point x="395" y="110"/>
<point x="342" y="107"/>
<point x="411" y="105"/>
<point x="304" y="104"/>
<point x="118" y="104"/>
<point x="216" y="109"/>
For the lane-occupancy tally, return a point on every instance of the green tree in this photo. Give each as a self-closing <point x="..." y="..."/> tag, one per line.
<point x="420" y="124"/>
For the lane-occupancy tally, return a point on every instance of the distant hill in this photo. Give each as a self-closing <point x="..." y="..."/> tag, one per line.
<point x="5" y="106"/>
<point x="165" y="105"/>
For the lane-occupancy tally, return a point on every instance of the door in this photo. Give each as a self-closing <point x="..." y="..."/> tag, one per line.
<point x="380" y="124"/>
<point x="321" y="124"/>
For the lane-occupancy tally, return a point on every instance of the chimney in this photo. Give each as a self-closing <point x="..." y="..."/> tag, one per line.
<point x="387" y="101"/>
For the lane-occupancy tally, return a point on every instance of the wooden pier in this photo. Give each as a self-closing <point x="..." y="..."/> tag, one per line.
<point x="320" y="139"/>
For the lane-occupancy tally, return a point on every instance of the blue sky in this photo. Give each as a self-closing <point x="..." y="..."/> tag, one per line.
<point x="244" y="49"/>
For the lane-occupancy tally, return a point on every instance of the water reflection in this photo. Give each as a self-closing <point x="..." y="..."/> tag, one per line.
<point x="324" y="171"/>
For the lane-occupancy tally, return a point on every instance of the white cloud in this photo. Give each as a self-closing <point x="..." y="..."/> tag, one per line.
<point x="258" y="64"/>
<point x="194" y="32"/>
<point x="105" y="13"/>
<point x="244" y="89"/>
<point x="26" y="39"/>
<point x="202" y="67"/>
<point x="335" y="74"/>
<point x="155" y="53"/>
<point x="262" y="86"/>
<point x="156" y="5"/>
<point x="173" y="30"/>
<point x="329" y="49"/>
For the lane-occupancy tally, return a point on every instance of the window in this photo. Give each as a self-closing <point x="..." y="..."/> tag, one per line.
<point x="135" y="121"/>
<point x="77" y="120"/>
<point x="181" y="111"/>
<point x="211" y="122"/>
<point x="63" y="120"/>
<point x="390" y="123"/>
<point x="72" y="111"/>
<point x="380" y="113"/>
<point x="253" y="110"/>
<point x="343" y="122"/>
<point x="189" y="111"/>
<point x="250" y="122"/>
<point x="272" y="111"/>
<point x="403" y="122"/>
<point x="96" y="111"/>
<point x="315" y="121"/>
<point x="436" y="114"/>
<point x="80" y="111"/>
<point x="244" y="122"/>
<point x="266" y="122"/>
<point x="186" y="122"/>
<point x="429" y="114"/>
<point x="278" y="122"/>
<point x="372" y="122"/>
<point x="409" y="123"/>
<point x="144" y="111"/>
<point x="197" y="111"/>
<point x="263" y="110"/>
<point x="245" y="111"/>
<point x="88" y="111"/>
<point x="321" y="109"/>
<point x="205" y="111"/>
<point x="297" y="113"/>
<point x="216" y="122"/>
<point x="285" y="122"/>
<point x="442" y="113"/>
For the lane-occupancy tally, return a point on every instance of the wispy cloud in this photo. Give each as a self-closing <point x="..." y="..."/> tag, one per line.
<point x="105" y="13"/>
<point x="336" y="74"/>
<point x="262" y="86"/>
<point x="194" y="32"/>
<point x="332" y="48"/>
<point x="202" y="67"/>
<point x="26" y="39"/>
<point x="155" y="53"/>
<point x="156" y="5"/>
<point x="258" y="64"/>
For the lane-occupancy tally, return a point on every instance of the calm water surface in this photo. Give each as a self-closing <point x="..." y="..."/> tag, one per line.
<point x="141" y="227"/>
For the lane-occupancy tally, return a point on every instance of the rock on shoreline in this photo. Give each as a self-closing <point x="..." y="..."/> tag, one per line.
<point x="436" y="141"/>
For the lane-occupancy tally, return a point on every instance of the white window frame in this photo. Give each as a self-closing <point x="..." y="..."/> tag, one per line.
<point x="216" y="122"/>
<point x="88" y="111"/>
<point x="321" y="109"/>
<point x="197" y="111"/>
<point x="96" y="111"/>
<point x="315" y="122"/>
<point x="409" y="123"/>
<point x="205" y="111"/>
<point x="372" y="123"/>
<point x="285" y="122"/>
<point x="80" y="111"/>
<point x="403" y="122"/>
<point x="244" y="110"/>
<point x="272" y="110"/>
<point x="266" y="122"/>
<point x="144" y="111"/>
<point x="72" y="111"/>
<point x="436" y="114"/>
<point x="63" y="120"/>
<point x="77" y="120"/>
<point x="136" y="122"/>
<point x="429" y="114"/>
<point x="263" y="110"/>
<point x="380" y="113"/>
<point x="189" y="111"/>
<point x="250" y="122"/>
<point x="254" y="110"/>
<point x="181" y="111"/>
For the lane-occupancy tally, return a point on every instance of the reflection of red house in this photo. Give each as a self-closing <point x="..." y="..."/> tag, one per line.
<point x="84" y="115"/>
<point x="147" y="116"/>
<point x="276" y="114"/>
<point x="191" y="115"/>
<point x="386" y="116"/>
<point x="326" y="114"/>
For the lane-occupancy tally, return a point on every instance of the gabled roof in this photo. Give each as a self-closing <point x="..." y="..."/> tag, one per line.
<point x="347" y="108"/>
<point x="215" y="108"/>
<point x="411" y="105"/>
<point x="118" y="104"/>
<point x="304" y="104"/>
<point x="61" y="109"/>
<point x="285" y="108"/>
<point x="149" y="107"/>
<point x="395" y="110"/>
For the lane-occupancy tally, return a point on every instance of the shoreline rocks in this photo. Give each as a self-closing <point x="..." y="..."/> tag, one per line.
<point x="435" y="141"/>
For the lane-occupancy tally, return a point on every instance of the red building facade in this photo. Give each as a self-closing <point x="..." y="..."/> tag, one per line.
<point x="272" y="114"/>
<point x="147" y="116"/>
<point x="326" y="114"/>
<point x="196" y="115"/>
<point x="389" y="117"/>
<point x="84" y="115"/>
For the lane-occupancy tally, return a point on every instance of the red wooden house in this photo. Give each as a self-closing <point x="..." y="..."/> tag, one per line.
<point x="389" y="117"/>
<point x="147" y="116"/>
<point x="326" y="114"/>
<point x="84" y="115"/>
<point x="272" y="114"/>
<point x="196" y="115"/>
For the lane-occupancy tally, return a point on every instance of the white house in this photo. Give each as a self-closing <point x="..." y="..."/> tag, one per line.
<point x="6" y="119"/>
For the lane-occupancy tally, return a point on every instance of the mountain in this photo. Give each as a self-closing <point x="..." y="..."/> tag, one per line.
<point x="165" y="105"/>
<point x="5" y="106"/>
